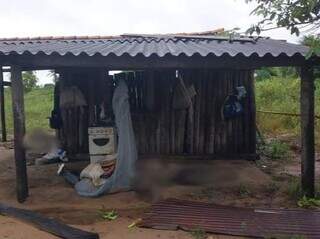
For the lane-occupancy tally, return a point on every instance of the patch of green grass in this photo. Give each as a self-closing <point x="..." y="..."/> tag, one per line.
<point x="306" y="202"/>
<point x="294" y="189"/>
<point x="276" y="150"/>
<point x="282" y="94"/>
<point x="38" y="106"/>
<point x="285" y="237"/>
<point x="244" y="190"/>
<point x="295" y="193"/>
<point x="198" y="234"/>
<point x="272" y="187"/>
<point x="108" y="215"/>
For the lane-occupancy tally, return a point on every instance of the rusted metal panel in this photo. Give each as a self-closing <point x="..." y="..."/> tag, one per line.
<point x="174" y="214"/>
<point x="159" y="45"/>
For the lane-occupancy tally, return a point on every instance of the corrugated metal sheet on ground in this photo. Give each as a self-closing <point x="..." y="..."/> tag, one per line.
<point x="174" y="214"/>
<point x="148" y="46"/>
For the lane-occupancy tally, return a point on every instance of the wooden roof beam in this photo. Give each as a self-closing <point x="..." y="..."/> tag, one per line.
<point x="152" y="62"/>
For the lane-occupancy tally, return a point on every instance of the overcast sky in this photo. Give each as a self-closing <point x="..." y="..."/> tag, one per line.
<point x="21" y="18"/>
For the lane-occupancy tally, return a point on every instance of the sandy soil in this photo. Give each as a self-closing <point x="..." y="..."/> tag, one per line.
<point x="216" y="181"/>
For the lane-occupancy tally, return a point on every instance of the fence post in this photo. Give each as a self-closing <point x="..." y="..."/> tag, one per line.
<point x="2" y="109"/>
<point x="19" y="132"/>
<point x="307" y="131"/>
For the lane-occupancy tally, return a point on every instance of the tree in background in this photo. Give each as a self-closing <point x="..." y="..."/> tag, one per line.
<point x="314" y="43"/>
<point x="294" y="15"/>
<point x="266" y="73"/>
<point x="30" y="80"/>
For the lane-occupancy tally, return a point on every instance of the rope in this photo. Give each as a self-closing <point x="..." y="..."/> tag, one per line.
<point x="284" y="113"/>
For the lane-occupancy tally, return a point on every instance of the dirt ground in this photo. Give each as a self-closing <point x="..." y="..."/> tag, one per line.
<point x="238" y="183"/>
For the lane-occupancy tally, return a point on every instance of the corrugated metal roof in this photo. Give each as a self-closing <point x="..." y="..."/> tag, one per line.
<point x="148" y="45"/>
<point x="268" y="223"/>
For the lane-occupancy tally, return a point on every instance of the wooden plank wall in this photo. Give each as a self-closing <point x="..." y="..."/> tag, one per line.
<point x="93" y="85"/>
<point x="159" y="129"/>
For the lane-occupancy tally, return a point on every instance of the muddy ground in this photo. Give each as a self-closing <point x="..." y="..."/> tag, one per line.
<point x="237" y="183"/>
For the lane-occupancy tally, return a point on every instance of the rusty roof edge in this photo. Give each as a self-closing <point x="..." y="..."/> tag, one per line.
<point x="190" y="36"/>
<point x="44" y="38"/>
<point x="87" y="37"/>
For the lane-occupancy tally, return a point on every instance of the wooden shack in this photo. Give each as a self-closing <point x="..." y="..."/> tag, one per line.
<point x="152" y="66"/>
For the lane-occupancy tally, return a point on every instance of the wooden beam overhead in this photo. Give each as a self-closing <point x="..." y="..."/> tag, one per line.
<point x="112" y="62"/>
<point x="307" y="131"/>
<point x="19" y="132"/>
<point x="4" y="83"/>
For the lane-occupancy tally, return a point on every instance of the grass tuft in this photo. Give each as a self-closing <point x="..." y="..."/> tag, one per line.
<point x="276" y="150"/>
<point x="198" y="234"/>
<point x="294" y="189"/>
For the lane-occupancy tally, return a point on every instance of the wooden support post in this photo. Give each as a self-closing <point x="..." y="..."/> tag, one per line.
<point x="307" y="131"/>
<point x="2" y="109"/>
<point x="19" y="132"/>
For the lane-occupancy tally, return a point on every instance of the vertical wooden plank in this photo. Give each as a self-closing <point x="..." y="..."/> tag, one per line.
<point x="252" y="110"/>
<point x="139" y="85"/>
<point x="150" y="94"/>
<point x="2" y="109"/>
<point x="307" y="131"/>
<point x="130" y="78"/>
<point x="208" y="113"/>
<point x="213" y="97"/>
<point x="203" y="81"/>
<point x="162" y="119"/>
<point x="245" y="128"/>
<point x="172" y="120"/>
<point x="223" y="127"/>
<point x="236" y="131"/>
<point x="217" y="112"/>
<point x="180" y="117"/>
<point x="241" y="145"/>
<point x="191" y="119"/>
<point x="19" y="132"/>
<point x="91" y="101"/>
<point x="158" y="94"/>
<point x="189" y="115"/>
<point x="232" y="131"/>
<point x="169" y="79"/>
<point x="228" y="129"/>
<point x="196" y="76"/>
<point x="248" y="112"/>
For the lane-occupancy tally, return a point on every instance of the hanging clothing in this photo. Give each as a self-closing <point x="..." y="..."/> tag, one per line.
<point x="124" y="172"/>
<point x="71" y="97"/>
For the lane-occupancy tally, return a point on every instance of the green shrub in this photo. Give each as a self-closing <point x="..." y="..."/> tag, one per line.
<point x="294" y="189"/>
<point x="29" y="80"/>
<point x="276" y="150"/>
<point x="306" y="202"/>
<point x="244" y="190"/>
<point x="198" y="234"/>
<point x="282" y="94"/>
